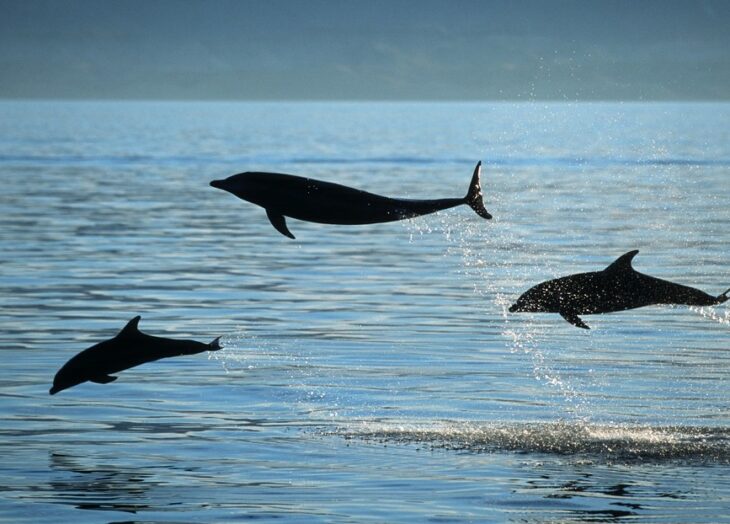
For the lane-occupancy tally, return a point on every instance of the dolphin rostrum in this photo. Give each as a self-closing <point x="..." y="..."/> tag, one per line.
<point x="617" y="288"/>
<point x="327" y="203"/>
<point x="128" y="349"/>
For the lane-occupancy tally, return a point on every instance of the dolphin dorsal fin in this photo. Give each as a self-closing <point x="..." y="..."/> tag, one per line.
<point x="131" y="328"/>
<point x="623" y="263"/>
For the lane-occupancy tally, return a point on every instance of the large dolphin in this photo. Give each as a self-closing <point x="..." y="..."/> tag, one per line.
<point x="128" y="349"/>
<point x="327" y="203"/>
<point x="617" y="288"/>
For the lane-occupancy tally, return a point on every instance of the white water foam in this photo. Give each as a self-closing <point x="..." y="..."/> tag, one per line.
<point x="712" y="314"/>
<point x="597" y="442"/>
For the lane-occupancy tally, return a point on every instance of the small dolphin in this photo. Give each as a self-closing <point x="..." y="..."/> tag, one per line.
<point x="327" y="203"/>
<point x="617" y="288"/>
<point x="128" y="349"/>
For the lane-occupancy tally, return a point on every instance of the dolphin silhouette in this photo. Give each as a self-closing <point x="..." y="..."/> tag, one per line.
<point x="327" y="203"/>
<point x="617" y="288"/>
<point x="128" y="349"/>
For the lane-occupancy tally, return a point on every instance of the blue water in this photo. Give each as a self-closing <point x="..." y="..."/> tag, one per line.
<point x="370" y="373"/>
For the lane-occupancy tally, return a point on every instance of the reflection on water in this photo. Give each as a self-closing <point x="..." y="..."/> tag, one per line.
<point x="99" y="486"/>
<point x="619" y="496"/>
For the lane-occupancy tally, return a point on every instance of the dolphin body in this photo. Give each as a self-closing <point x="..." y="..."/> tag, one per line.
<point x="617" y="288"/>
<point x="327" y="203"/>
<point x="128" y="349"/>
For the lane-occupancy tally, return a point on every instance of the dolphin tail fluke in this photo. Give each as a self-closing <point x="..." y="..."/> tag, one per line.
<point x="215" y="345"/>
<point x="474" y="195"/>
<point x="723" y="297"/>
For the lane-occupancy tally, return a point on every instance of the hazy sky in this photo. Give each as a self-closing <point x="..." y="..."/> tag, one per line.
<point x="368" y="49"/>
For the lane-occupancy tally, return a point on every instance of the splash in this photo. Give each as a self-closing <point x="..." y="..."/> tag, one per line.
<point x="246" y="351"/>
<point x="522" y="338"/>
<point x="607" y="443"/>
<point x="712" y="314"/>
<point x="297" y="375"/>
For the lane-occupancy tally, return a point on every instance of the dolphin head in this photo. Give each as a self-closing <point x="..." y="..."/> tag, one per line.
<point x="541" y="298"/>
<point x="239" y="184"/>
<point x="58" y="386"/>
<point x="70" y="375"/>
<point x="235" y="184"/>
<point x="252" y="187"/>
<point x="81" y="367"/>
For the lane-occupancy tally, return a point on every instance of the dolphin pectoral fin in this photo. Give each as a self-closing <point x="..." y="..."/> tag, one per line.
<point x="279" y="222"/>
<point x="574" y="319"/>
<point x="103" y="379"/>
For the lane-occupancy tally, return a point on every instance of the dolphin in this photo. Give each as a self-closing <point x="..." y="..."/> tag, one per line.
<point x="327" y="203"/>
<point x="128" y="349"/>
<point x="617" y="288"/>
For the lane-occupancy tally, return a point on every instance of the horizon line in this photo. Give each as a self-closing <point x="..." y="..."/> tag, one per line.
<point x="367" y="100"/>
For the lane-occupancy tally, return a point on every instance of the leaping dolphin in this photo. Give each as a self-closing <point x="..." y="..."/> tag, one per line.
<point x="327" y="203"/>
<point x="128" y="349"/>
<point x="617" y="288"/>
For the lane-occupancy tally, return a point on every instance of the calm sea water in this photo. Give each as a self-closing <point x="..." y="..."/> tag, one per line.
<point x="370" y="373"/>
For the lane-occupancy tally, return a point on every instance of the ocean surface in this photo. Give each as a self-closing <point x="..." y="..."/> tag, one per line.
<point x="370" y="373"/>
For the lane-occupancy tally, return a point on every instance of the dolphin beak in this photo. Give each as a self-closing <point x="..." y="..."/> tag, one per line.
<point x="217" y="184"/>
<point x="54" y="390"/>
<point x="513" y="308"/>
